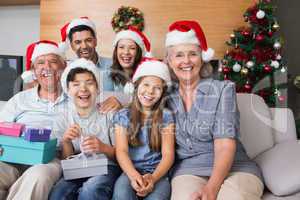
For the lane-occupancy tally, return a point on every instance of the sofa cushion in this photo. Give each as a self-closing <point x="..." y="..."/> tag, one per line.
<point x="256" y="124"/>
<point x="281" y="168"/>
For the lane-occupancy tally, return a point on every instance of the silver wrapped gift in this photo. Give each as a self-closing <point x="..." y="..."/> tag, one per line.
<point x="83" y="165"/>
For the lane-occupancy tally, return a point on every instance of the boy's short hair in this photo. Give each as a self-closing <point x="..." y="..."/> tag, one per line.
<point x="79" y="70"/>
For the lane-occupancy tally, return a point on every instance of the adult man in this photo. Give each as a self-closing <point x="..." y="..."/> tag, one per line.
<point x="39" y="105"/>
<point x="82" y="36"/>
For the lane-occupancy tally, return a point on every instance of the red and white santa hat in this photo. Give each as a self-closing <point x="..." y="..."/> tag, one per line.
<point x="79" y="63"/>
<point x="137" y="36"/>
<point x="65" y="30"/>
<point x="189" y="32"/>
<point x="35" y="50"/>
<point x="152" y="67"/>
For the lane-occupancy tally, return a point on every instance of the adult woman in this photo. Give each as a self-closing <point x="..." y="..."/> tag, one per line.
<point x="211" y="161"/>
<point x="129" y="47"/>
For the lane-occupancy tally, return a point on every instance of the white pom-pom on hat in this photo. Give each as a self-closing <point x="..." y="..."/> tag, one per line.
<point x="189" y="32"/>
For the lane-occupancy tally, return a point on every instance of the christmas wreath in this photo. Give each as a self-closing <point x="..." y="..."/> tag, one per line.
<point x="125" y="16"/>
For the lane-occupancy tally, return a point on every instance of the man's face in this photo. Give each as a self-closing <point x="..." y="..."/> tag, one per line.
<point x="84" y="44"/>
<point x="48" y="69"/>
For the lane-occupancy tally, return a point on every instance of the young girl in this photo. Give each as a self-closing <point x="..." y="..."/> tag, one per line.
<point x="87" y="130"/>
<point x="145" y="137"/>
<point x="129" y="47"/>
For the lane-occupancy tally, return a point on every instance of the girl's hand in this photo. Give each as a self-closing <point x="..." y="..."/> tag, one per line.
<point x="137" y="183"/>
<point x="91" y="144"/>
<point x="149" y="185"/>
<point x="206" y="193"/>
<point x="71" y="133"/>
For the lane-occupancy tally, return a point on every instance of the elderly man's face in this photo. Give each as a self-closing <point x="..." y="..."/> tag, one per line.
<point x="84" y="44"/>
<point x="185" y="60"/>
<point x="48" y="69"/>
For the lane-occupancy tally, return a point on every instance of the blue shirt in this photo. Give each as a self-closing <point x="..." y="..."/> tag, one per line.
<point x="144" y="159"/>
<point x="104" y="65"/>
<point x="214" y="114"/>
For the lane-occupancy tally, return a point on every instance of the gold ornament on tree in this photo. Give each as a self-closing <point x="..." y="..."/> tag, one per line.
<point x="244" y="71"/>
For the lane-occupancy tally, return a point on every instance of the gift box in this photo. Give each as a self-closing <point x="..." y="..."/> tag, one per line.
<point x="11" y="128"/>
<point x="82" y="166"/>
<point x="37" y="134"/>
<point x="18" y="150"/>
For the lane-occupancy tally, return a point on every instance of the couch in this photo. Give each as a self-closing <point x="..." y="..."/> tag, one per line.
<point x="269" y="137"/>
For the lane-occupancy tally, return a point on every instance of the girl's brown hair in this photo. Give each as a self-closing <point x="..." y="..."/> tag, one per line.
<point x="117" y="73"/>
<point x="155" y="119"/>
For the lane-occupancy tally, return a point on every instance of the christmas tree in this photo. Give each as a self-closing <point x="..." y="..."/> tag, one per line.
<point x="254" y="59"/>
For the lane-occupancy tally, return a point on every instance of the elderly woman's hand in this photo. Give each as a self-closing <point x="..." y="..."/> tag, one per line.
<point x="205" y="193"/>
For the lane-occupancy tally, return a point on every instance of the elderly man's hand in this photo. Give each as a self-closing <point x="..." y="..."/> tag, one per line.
<point x="111" y="104"/>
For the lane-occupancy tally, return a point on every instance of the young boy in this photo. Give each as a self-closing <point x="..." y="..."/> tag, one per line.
<point x="87" y="130"/>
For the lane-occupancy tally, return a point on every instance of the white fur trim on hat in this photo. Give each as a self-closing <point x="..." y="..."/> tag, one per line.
<point x="81" y="21"/>
<point x="153" y="68"/>
<point x="28" y="76"/>
<point x="178" y="37"/>
<point x="79" y="63"/>
<point x="45" y="48"/>
<point x="128" y="34"/>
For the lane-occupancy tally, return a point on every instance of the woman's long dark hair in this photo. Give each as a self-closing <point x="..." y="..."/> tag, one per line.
<point x="155" y="117"/>
<point x="117" y="74"/>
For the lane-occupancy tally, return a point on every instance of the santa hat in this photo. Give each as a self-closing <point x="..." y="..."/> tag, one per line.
<point x="189" y="32"/>
<point x="65" y="30"/>
<point x="79" y="63"/>
<point x="152" y="67"/>
<point x="137" y="36"/>
<point x="35" y="50"/>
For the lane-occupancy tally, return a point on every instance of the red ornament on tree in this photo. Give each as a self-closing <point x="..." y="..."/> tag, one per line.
<point x="281" y="98"/>
<point x="267" y="68"/>
<point x="247" y="87"/>
<point x="226" y="77"/>
<point x="259" y="37"/>
<point x="246" y="33"/>
<point x="226" y="70"/>
<point x="270" y="33"/>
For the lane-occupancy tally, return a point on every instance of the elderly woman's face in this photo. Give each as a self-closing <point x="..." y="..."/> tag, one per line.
<point x="48" y="69"/>
<point x="185" y="60"/>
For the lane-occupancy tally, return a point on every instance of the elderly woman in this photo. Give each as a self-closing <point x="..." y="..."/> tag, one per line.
<point x="41" y="105"/>
<point x="211" y="162"/>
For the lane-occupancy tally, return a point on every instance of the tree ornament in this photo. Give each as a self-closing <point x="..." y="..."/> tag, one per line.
<point x="275" y="26"/>
<point x="283" y="70"/>
<point x="246" y="33"/>
<point x="247" y="87"/>
<point x="278" y="57"/>
<point x="260" y="14"/>
<point x="270" y="33"/>
<point x="244" y="71"/>
<point x="267" y="68"/>
<point x="226" y="70"/>
<point x="259" y="37"/>
<point x="220" y="69"/>
<point x="232" y="35"/>
<point x="277" y="45"/>
<point x="236" y="67"/>
<point x="275" y="64"/>
<point x="281" y="98"/>
<point x="226" y="77"/>
<point x="250" y="64"/>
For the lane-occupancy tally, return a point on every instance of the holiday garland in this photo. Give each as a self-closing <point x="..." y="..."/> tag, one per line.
<point x="127" y="16"/>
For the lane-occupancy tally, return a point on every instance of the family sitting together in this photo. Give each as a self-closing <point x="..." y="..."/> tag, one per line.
<point x="177" y="138"/>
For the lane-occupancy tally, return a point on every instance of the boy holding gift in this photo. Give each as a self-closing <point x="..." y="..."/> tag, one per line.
<point x="87" y="130"/>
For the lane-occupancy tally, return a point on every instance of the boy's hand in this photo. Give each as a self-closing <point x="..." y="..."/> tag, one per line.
<point x="109" y="105"/>
<point x="92" y="144"/>
<point x="71" y="133"/>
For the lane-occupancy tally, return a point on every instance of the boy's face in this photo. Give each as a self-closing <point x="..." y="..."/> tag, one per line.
<point x="83" y="89"/>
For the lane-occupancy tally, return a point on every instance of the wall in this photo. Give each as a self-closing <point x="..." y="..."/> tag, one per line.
<point x="19" y="26"/>
<point x="217" y="18"/>
<point x="288" y="16"/>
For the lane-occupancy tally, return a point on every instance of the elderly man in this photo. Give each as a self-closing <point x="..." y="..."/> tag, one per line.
<point x="81" y="35"/>
<point x="39" y="105"/>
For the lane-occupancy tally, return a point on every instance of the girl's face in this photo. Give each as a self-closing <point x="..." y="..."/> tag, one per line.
<point x="126" y="52"/>
<point x="185" y="60"/>
<point x="83" y="89"/>
<point x="149" y="91"/>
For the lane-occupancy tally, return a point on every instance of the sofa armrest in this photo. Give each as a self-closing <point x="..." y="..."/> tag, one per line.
<point x="284" y="128"/>
<point x="280" y="167"/>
